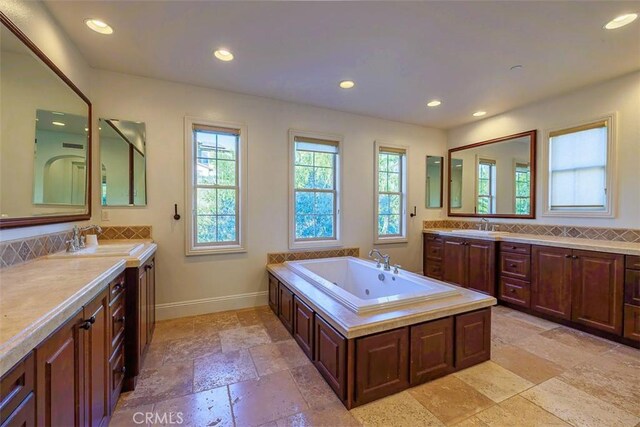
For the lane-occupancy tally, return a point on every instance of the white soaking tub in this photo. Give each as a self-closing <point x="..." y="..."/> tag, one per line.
<point x="362" y="287"/>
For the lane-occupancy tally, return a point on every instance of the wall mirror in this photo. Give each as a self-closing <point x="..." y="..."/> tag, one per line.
<point x="494" y="178"/>
<point x="45" y="137"/>
<point x="433" y="196"/>
<point x="122" y="163"/>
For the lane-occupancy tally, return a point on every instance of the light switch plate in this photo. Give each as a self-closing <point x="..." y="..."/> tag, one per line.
<point x="105" y="215"/>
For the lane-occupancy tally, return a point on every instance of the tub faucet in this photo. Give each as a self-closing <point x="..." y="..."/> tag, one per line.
<point x="386" y="259"/>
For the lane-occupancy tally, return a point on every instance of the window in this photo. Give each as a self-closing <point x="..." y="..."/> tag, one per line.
<point x="579" y="169"/>
<point x="315" y="190"/>
<point x="486" y="200"/>
<point x="215" y="155"/>
<point x="522" y="188"/>
<point x="391" y="193"/>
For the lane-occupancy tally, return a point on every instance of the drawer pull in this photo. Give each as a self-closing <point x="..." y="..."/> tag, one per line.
<point x="86" y="325"/>
<point x="567" y="256"/>
<point x="512" y="265"/>
<point x="120" y="370"/>
<point x="512" y="290"/>
<point x="120" y="319"/>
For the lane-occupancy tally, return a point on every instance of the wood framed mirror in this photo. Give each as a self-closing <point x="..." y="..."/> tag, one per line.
<point x="45" y="137"/>
<point x="494" y="178"/>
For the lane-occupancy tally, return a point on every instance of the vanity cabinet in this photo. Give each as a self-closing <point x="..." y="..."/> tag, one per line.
<point x="140" y="312"/>
<point x="551" y="281"/>
<point x="433" y="247"/>
<point x="631" y="323"/>
<point x="514" y="266"/>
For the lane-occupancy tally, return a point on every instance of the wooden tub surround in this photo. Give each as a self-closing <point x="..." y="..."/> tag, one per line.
<point x="364" y="358"/>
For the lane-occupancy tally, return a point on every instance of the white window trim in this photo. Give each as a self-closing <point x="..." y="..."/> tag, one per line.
<point x="324" y="243"/>
<point x="189" y="149"/>
<point x="611" y="177"/>
<point x="377" y="239"/>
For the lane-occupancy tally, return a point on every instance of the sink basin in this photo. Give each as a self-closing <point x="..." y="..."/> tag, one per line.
<point x="481" y="232"/>
<point x="118" y="249"/>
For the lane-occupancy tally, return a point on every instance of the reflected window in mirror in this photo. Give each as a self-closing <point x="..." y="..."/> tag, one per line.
<point x="494" y="178"/>
<point x="433" y="184"/>
<point x="122" y="162"/>
<point x="579" y="170"/>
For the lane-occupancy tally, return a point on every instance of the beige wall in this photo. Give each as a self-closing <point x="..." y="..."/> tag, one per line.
<point x="621" y="95"/>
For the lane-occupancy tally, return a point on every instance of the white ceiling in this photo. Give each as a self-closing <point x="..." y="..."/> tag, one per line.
<point x="401" y="54"/>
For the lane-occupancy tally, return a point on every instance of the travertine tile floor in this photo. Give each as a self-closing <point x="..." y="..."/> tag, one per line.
<point x="242" y="368"/>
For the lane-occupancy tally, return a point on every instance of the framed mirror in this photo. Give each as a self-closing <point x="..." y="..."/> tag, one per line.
<point x="433" y="185"/>
<point x="495" y="178"/>
<point x="123" y="179"/>
<point x="45" y="137"/>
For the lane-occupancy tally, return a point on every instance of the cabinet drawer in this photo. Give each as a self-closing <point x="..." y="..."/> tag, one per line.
<point x="433" y="238"/>
<point x="632" y="262"/>
<point x="15" y="386"/>
<point x="433" y="250"/>
<point x="433" y="269"/>
<point x="632" y="287"/>
<point x="24" y="415"/>
<point x="521" y="248"/>
<point x="116" y="375"/>
<point x="117" y="310"/>
<point x="515" y="291"/>
<point x="632" y="322"/>
<point x="515" y="265"/>
<point x="116" y="287"/>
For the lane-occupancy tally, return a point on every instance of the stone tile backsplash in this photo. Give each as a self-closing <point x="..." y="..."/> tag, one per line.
<point x="595" y="233"/>
<point x="15" y="252"/>
<point x="280" y="257"/>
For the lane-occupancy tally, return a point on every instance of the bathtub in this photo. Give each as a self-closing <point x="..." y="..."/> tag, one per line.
<point x="362" y="287"/>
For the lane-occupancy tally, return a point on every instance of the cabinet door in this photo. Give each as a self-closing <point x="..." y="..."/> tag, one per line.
<point x="632" y="287"/>
<point x="143" y="316"/>
<point x="331" y="356"/>
<point x="551" y="281"/>
<point x="481" y="264"/>
<point x="431" y="350"/>
<point x="454" y="257"/>
<point x="303" y="326"/>
<point x="97" y="346"/>
<point x="598" y="280"/>
<point x="473" y="338"/>
<point x="273" y="294"/>
<point x="632" y="322"/>
<point x="59" y="376"/>
<point x="381" y="364"/>
<point x="151" y="299"/>
<point x="285" y="304"/>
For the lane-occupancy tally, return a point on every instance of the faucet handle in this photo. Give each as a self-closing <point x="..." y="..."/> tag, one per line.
<point x="396" y="268"/>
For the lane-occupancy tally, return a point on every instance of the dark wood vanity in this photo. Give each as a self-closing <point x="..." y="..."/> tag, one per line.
<point x="598" y="292"/>
<point x="362" y="369"/>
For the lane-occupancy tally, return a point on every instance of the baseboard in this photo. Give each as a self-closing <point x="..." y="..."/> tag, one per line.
<point x="195" y="307"/>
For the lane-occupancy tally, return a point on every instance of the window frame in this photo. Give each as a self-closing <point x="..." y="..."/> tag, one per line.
<point x="611" y="174"/>
<point x="315" y="242"/>
<point x="516" y="164"/>
<point x="190" y="151"/>
<point x="403" y="237"/>
<point x="493" y="184"/>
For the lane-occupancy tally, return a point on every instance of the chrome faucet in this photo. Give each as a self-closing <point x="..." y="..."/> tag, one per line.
<point x="386" y="259"/>
<point x="484" y="221"/>
<point x="77" y="240"/>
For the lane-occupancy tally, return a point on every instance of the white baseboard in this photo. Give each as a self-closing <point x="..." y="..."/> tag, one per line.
<point x="195" y="307"/>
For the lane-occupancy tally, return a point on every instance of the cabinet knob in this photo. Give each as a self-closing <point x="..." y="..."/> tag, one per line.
<point x="512" y="265"/>
<point x="120" y="370"/>
<point x="567" y="256"/>
<point x="512" y="290"/>
<point x="86" y="325"/>
<point x="120" y="319"/>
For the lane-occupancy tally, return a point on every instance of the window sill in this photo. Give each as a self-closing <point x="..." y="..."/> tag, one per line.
<point x="215" y="250"/>
<point x="579" y="214"/>
<point x="316" y="244"/>
<point x="389" y="240"/>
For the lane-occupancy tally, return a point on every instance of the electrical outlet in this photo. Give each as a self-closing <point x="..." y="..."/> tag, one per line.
<point x="105" y="215"/>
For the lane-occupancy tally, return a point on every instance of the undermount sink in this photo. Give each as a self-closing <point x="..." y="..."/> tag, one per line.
<point x="116" y="249"/>
<point x="481" y="232"/>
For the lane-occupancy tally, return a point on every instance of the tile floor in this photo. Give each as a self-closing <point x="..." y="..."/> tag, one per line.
<point x="242" y="368"/>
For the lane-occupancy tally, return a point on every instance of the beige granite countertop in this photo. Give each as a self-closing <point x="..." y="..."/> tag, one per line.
<point x="39" y="296"/>
<point x="353" y="325"/>
<point x="626" y="248"/>
<point x="135" y="260"/>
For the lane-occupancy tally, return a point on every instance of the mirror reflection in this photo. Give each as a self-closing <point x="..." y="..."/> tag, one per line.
<point x="433" y="196"/>
<point x="493" y="178"/>
<point x="44" y="138"/>
<point x="122" y="163"/>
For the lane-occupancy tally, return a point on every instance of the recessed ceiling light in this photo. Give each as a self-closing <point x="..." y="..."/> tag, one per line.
<point x="434" y="103"/>
<point x="479" y="113"/>
<point x="57" y="123"/>
<point x="98" y="26"/>
<point x="347" y="84"/>
<point x="223" y="55"/>
<point x="621" y="21"/>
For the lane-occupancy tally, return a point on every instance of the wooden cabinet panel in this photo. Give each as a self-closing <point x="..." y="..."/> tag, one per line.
<point x="24" y="415"/>
<point x="433" y="269"/>
<point x="59" y="375"/>
<point x="15" y="386"/>
<point x="598" y="280"/>
<point x="520" y="248"/>
<point x="454" y="255"/>
<point x="431" y="350"/>
<point x="481" y="262"/>
<point x="97" y="347"/>
<point x="473" y="338"/>
<point x="117" y="371"/>
<point x="285" y="307"/>
<point x="632" y="287"/>
<point x="381" y="365"/>
<point x="632" y="262"/>
<point x="118" y="319"/>
<point x="515" y="291"/>
<point x="551" y="281"/>
<point x="330" y="356"/>
<point x="433" y="250"/>
<point x="151" y="298"/>
<point x="632" y="322"/>
<point x="273" y="294"/>
<point x="116" y="287"/>
<point x="143" y="315"/>
<point x="303" y="326"/>
<point x="515" y="265"/>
